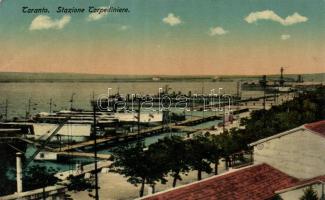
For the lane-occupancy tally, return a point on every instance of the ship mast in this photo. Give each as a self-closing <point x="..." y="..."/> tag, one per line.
<point x="281" y="77"/>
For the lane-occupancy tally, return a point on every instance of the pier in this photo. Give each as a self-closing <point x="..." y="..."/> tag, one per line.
<point x="85" y="169"/>
<point x="181" y="126"/>
<point x="83" y="154"/>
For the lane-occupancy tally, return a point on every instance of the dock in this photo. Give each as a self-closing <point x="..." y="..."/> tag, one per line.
<point x="83" y="154"/>
<point x="90" y="168"/>
<point x="181" y="126"/>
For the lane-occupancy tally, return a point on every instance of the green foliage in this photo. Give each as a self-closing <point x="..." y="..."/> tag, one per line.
<point x="176" y="156"/>
<point x="38" y="177"/>
<point x="8" y="159"/>
<point x="216" y="150"/>
<point x="80" y="184"/>
<point x="7" y="186"/>
<point x="140" y="166"/>
<point x="276" y="197"/>
<point x="306" y="108"/>
<point x="173" y="154"/>
<point x="309" y="194"/>
<point x="200" y="152"/>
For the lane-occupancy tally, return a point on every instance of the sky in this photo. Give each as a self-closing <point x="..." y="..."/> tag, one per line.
<point x="164" y="37"/>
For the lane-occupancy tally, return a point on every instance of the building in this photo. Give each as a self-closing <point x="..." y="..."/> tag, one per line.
<point x="298" y="152"/>
<point x="254" y="182"/>
<point x="284" y="164"/>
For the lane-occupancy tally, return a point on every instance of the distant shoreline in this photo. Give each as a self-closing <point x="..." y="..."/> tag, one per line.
<point x="10" y="77"/>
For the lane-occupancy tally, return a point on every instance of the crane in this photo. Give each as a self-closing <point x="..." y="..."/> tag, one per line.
<point x="44" y="143"/>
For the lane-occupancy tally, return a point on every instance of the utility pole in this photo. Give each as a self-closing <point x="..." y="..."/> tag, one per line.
<point x="224" y="118"/>
<point x="29" y="104"/>
<point x="238" y="94"/>
<point x="50" y="105"/>
<point x="203" y="100"/>
<point x="264" y="100"/>
<point x="263" y="83"/>
<point x="281" y="77"/>
<point x="238" y="89"/>
<point x="139" y="111"/>
<point x="71" y="101"/>
<point x="6" y="110"/>
<point x="28" y="109"/>
<point x="95" y="152"/>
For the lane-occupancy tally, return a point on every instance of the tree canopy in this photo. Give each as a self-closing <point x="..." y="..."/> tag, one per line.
<point x="176" y="155"/>
<point x="139" y="165"/>
<point x="309" y="194"/>
<point x="38" y="177"/>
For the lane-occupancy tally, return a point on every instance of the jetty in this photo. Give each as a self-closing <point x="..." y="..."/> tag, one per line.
<point x="90" y="168"/>
<point x="181" y="126"/>
<point x="83" y="154"/>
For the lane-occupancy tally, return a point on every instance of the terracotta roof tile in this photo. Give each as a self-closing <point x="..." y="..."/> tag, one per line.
<point x="317" y="127"/>
<point x="257" y="182"/>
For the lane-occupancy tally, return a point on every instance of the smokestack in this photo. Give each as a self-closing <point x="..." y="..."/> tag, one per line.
<point x="19" y="173"/>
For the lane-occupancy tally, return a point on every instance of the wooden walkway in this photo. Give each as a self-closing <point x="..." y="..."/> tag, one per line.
<point x="86" y="169"/>
<point x="84" y="154"/>
<point x="181" y="126"/>
<point x="198" y="120"/>
<point x="83" y="144"/>
<point x="143" y="133"/>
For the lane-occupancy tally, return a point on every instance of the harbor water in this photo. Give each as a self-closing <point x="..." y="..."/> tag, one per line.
<point x="39" y="93"/>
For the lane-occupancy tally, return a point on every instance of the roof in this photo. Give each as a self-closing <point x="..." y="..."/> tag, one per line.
<point x="317" y="128"/>
<point x="303" y="183"/>
<point x="255" y="182"/>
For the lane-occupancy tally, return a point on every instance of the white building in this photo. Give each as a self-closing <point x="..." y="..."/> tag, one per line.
<point x="299" y="152"/>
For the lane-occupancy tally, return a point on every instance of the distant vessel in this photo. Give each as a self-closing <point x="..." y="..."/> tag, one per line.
<point x="75" y="117"/>
<point x="86" y="117"/>
<point x="264" y="85"/>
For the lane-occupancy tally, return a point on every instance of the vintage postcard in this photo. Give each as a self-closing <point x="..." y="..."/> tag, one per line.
<point x="162" y="99"/>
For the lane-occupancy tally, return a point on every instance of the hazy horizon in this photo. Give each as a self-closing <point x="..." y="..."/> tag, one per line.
<point x="165" y="37"/>
<point x="160" y="75"/>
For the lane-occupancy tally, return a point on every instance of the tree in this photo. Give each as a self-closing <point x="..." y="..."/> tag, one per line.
<point x="39" y="177"/>
<point x="216" y="150"/>
<point x="8" y="159"/>
<point x="140" y="166"/>
<point x="175" y="154"/>
<point x="309" y="194"/>
<point x="228" y="147"/>
<point x="80" y="184"/>
<point x="305" y="108"/>
<point x="200" y="154"/>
